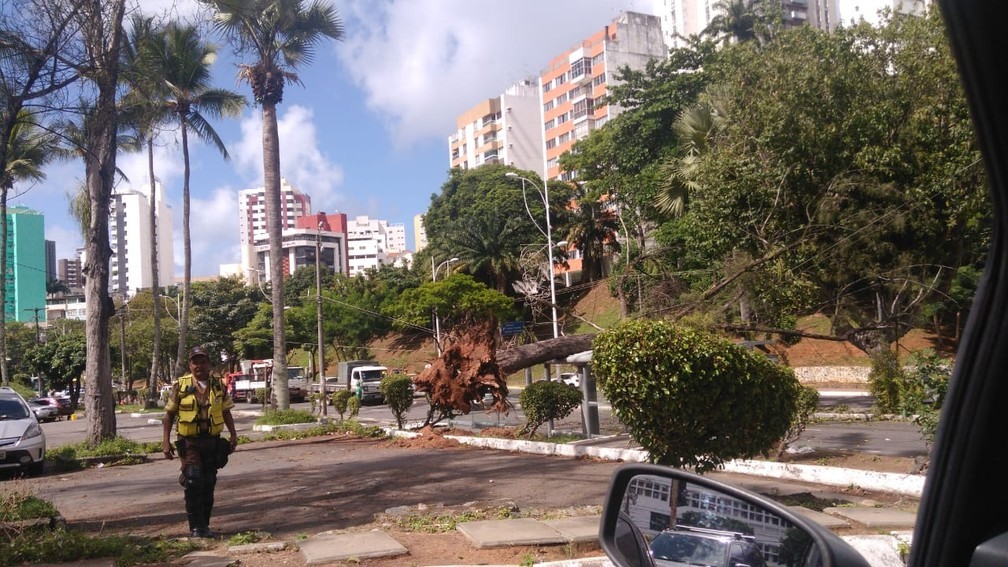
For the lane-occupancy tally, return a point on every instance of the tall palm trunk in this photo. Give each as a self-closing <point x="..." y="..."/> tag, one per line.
<point x="183" y="327"/>
<point x="274" y="226"/>
<point x="152" y="381"/>
<point x="4" y="372"/>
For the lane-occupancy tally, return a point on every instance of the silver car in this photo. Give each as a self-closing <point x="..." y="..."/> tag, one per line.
<point x="22" y="441"/>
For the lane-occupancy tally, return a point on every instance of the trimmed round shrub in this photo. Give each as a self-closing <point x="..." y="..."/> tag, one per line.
<point x="692" y="399"/>
<point x="398" y="393"/>
<point x="340" y="400"/>
<point x="545" y="400"/>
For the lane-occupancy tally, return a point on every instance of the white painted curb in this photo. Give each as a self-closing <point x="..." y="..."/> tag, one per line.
<point x="904" y="484"/>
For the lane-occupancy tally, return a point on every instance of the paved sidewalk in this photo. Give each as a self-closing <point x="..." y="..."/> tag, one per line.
<point x="880" y="550"/>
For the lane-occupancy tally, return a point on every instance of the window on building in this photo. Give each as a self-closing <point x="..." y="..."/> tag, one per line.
<point x="562" y="118"/>
<point x="580" y="67"/>
<point x="561" y="98"/>
<point x="548" y="106"/>
<point x="551" y="143"/>
<point x="560" y="80"/>
<point x="546" y="86"/>
<point x="551" y="123"/>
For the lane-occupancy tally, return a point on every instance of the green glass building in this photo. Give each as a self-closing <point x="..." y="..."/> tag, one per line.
<point x="25" y="272"/>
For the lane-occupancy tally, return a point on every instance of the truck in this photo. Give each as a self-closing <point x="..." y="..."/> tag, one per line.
<point x="362" y="377"/>
<point x="258" y="375"/>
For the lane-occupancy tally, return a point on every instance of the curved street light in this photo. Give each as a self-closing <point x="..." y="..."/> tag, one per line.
<point x="437" y="320"/>
<point x="548" y="233"/>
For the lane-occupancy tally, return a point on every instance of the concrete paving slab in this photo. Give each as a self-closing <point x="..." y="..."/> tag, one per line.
<point x="875" y="517"/>
<point x="825" y="520"/>
<point x="502" y="533"/>
<point x="204" y="559"/>
<point x="578" y="529"/>
<point x="329" y="547"/>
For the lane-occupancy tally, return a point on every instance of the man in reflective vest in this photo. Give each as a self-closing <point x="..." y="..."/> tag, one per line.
<point x="200" y="408"/>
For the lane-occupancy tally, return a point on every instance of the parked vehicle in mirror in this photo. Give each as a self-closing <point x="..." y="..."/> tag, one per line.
<point x="43" y="410"/>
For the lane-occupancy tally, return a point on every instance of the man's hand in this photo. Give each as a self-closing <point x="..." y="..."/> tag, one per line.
<point x="234" y="441"/>
<point x="169" y="451"/>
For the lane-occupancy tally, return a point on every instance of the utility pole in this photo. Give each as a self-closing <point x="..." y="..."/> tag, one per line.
<point x="318" y="315"/>
<point x="36" y="310"/>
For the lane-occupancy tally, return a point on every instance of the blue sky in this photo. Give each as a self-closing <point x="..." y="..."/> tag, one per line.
<point x="367" y="133"/>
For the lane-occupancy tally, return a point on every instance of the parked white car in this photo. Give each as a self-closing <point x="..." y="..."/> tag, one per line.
<point x="22" y="441"/>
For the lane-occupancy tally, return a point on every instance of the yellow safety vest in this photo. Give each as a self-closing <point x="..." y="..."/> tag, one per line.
<point x="188" y="424"/>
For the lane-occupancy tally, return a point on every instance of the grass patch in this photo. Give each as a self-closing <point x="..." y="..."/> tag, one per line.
<point x="447" y="522"/>
<point x="41" y="545"/>
<point x="246" y="538"/>
<point x="322" y="429"/>
<point x="18" y="504"/>
<point x="117" y="446"/>
<point x="285" y="417"/>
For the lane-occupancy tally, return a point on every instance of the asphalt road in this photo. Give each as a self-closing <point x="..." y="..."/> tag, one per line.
<point x="885" y="438"/>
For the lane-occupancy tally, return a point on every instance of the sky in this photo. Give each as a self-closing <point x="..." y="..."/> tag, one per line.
<point x="367" y="132"/>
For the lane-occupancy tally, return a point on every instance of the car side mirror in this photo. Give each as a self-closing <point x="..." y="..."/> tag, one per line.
<point x="683" y="518"/>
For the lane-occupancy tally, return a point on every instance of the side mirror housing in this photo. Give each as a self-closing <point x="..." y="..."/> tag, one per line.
<point x="684" y="518"/>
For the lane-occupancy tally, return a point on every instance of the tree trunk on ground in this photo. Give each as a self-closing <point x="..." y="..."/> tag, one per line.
<point x="523" y="356"/>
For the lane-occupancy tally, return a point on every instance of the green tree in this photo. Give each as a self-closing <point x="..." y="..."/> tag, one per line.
<point x="61" y="360"/>
<point x="220" y="308"/>
<point x="591" y="227"/>
<point x="278" y="36"/>
<point x="456" y="299"/>
<point x="863" y="205"/>
<point x="481" y="217"/>
<point x="692" y="399"/>
<point x="182" y="62"/>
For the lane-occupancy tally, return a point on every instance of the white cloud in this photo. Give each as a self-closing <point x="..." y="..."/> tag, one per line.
<point x="301" y="161"/>
<point x="214" y="226"/>
<point x="423" y="62"/>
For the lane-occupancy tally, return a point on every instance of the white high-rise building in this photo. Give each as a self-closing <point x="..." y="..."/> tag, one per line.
<point x="372" y="243"/>
<point x="252" y="218"/>
<point x="130" y="237"/>
<point x="505" y="129"/>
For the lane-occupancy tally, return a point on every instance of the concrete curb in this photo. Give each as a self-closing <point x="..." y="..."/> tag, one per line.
<point x="903" y="484"/>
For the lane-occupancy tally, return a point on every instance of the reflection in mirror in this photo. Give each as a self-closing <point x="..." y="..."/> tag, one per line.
<point x="689" y="524"/>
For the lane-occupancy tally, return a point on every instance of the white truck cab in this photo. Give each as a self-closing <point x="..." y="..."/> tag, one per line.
<point x="365" y="382"/>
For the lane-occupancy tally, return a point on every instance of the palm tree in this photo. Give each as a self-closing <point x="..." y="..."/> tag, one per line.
<point x="484" y="245"/>
<point x="738" y="20"/>
<point x="695" y="129"/>
<point x="143" y="112"/>
<point x="592" y="229"/>
<point x="183" y="65"/>
<point x="279" y="35"/>
<point x="27" y="150"/>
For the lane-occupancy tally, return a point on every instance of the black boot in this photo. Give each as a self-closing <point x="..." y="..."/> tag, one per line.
<point x="195" y="513"/>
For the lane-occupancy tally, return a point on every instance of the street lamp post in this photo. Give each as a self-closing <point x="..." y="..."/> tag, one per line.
<point x="548" y="233"/>
<point x="437" y="320"/>
<point x="318" y="316"/>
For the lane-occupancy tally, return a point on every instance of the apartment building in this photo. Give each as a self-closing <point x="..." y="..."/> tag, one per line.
<point x="373" y="243"/>
<point x="573" y="83"/>
<point x="68" y="270"/>
<point x="326" y="233"/>
<point x="130" y="268"/>
<point x="419" y="233"/>
<point x="25" y="272"/>
<point x="252" y="217"/>
<point x="504" y="129"/>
